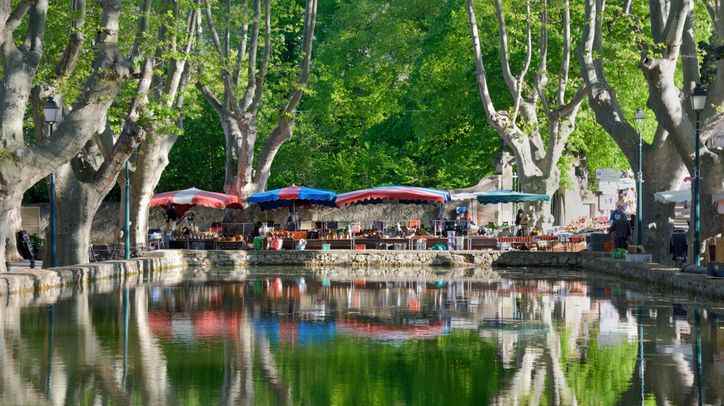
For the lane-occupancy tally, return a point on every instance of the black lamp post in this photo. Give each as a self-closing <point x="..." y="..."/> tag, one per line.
<point x="698" y="102"/>
<point x="640" y="181"/>
<point x="51" y="111"/>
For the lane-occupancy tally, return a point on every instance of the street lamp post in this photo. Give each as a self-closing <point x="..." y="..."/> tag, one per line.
<point x="51" y="111"/>
<point x="640" y="181"/>
<point x="127" y="213"/>
<point x="698" y="102"/>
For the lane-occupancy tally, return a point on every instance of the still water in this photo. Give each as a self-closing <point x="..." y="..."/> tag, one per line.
<point x="289" y="339"/>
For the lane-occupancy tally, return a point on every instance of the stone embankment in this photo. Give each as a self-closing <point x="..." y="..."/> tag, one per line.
<point x="38" y="281"/>
<point x="72" y="277"/>
<point x="600" y="263"/>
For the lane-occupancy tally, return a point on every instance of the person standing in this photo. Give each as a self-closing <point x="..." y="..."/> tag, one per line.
<point x="621" y="228"/>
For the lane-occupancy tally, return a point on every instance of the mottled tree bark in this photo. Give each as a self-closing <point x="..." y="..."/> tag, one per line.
<point x="663" y="168"/>
<point x="21" y="166"/>
<point x="238" y="106"/>
<point x="150" y="161"/>
<point x="153" y="154"/>
<point x="520" y="130"/>
<point x="672" y="103"/>
<point x="83" y="183"/>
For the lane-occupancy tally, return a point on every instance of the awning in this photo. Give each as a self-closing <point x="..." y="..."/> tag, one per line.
<point x="506" y="196"/>
<point x="291" y="196"/>
<point x="465" y="196"/>
<point x="402" y="194"/>
<point x="195" y="197"/>
<point x="673" y="196"/>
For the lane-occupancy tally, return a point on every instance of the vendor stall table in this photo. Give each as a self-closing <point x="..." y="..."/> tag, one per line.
<point x="196" y="244"/>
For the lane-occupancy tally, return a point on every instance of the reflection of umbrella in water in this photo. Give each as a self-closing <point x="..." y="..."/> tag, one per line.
<point x="276" y="288"/>
<point x="160" y="323"/>
<point x="529" y="326"/>
<point x="215" y="323"/>
<point x="301" y="332"/>
<point x="382" y="331"/>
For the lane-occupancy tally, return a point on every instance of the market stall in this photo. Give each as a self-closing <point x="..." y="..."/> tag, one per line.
<point x="180" y="230"/>
<point x="536" y="237"/>
<point x="377" y="235"/>
<point x="292" y="235"/>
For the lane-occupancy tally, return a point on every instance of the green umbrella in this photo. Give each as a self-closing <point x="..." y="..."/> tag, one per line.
<point x="507" y="196"/>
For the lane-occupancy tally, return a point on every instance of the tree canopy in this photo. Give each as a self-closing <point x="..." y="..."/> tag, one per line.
<point x="393" y="100"/>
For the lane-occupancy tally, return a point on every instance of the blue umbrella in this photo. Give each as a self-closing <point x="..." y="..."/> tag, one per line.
<point x="292" y="196"/>
<point x="507" y="196"/>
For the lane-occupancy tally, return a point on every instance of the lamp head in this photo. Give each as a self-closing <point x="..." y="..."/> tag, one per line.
<point x="51" y="111"/>
<point x="640" y="115"/>
<point x="698" y="98"/>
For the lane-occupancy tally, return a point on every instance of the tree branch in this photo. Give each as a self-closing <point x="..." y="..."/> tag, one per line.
<point x="565" y="64"/>
<point x="227" y="29"/>
<point x="91" y="106"/>
<point x="253" y="48"/>
<point x="658" y="11"/>
<point x="675" y="27"/>
<point x="241" y="51"/>
<point x="69" y="60"/>
<point x="283" y="130"/>
<point x="504" y="53"/>
<point x="16" y="17"/>
<point x="143" y="26"/>
<point x="541" y="78"/>
<point x="491" y="113"/>
<point x="211" y="98"/>
<point x="689" y="61"/>
<point x="214" y="33"/>
<point x="36" y="31"/>
<point x="601" y="97"/>
<point x="179" y="66"/>
<point x="259" y="87"/>
<point x="526" y="64"/>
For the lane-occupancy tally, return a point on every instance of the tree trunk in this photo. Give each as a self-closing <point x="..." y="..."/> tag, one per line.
<point x="663" y="170"/>
<point x="151" y="160"/>
<point x="77" y="204"/>
<point x="9" y="204"/>
<point x="240" y="135"/>
<point x="15" y="223"/>
<point x="547" y="185"/>
<point x="712" y="181"/>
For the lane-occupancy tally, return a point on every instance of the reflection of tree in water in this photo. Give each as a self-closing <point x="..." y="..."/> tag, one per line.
<point x="603" y="373"/>
<point x="457" y="369"/>
<point x="531" y="342"/>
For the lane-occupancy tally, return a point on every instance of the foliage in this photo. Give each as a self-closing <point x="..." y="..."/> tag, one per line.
<point x="593" y="379"/>
<point x="393" y="98"/>
<point x="458" y="369"/>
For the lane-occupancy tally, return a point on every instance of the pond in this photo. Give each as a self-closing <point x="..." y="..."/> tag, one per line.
<point x="302" y="338"/>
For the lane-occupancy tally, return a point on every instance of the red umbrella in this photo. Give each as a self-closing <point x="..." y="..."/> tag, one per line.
<point x="195" y="197"/>
<point x="403" y="194"/>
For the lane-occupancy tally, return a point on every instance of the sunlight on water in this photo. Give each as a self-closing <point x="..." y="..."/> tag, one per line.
<point x="282" y="338"/>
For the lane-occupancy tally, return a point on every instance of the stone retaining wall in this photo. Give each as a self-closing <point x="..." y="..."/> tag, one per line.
<point x="601" y="263"/>
<point x="369" y="258"/>
<point x="38" y="281"/>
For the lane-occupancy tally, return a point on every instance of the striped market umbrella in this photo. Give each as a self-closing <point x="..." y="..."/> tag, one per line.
<point x="402" y="194"/>
<point x="195" y="197"/>
<point x="292" y="196"/>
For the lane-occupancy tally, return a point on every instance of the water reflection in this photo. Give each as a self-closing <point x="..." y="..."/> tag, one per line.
<point x="273" y="339"/>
